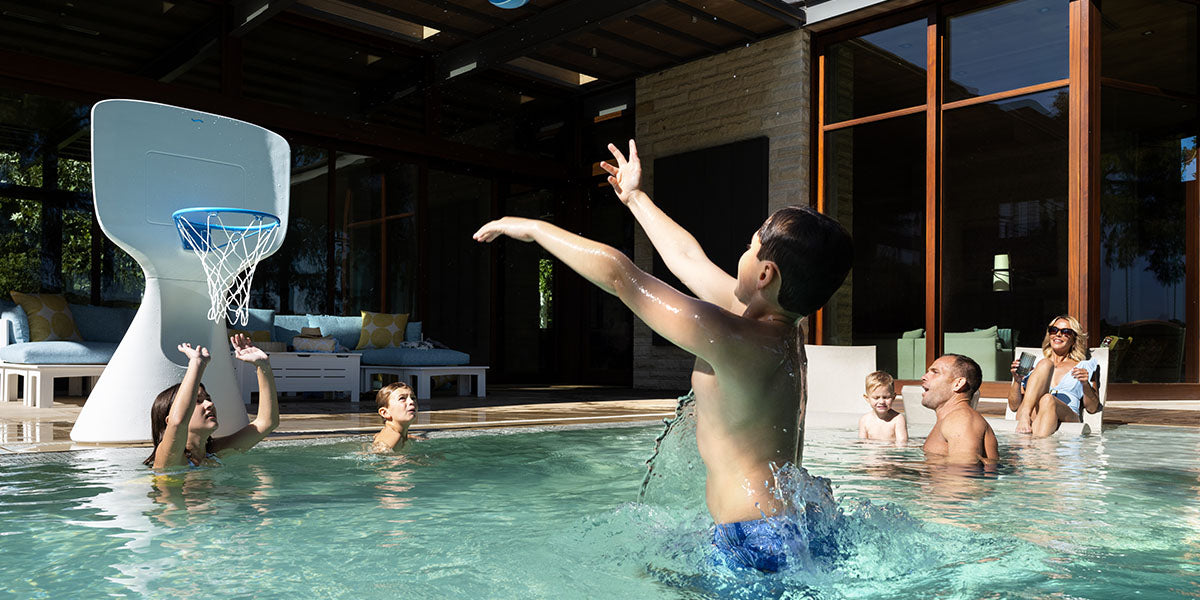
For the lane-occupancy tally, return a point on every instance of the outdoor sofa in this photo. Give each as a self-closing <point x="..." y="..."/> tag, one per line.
<point x="102" y="328"/>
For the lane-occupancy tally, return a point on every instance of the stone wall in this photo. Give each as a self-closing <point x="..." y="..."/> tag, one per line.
<point x="758" y="90"/>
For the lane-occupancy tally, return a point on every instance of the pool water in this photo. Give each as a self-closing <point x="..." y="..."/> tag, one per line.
<point x="554" y="514"/>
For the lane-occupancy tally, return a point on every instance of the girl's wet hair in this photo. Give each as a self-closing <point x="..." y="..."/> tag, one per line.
<point x="813" y="252"/>
<point x="384" y="396"/>
<point x="158" y="422"/>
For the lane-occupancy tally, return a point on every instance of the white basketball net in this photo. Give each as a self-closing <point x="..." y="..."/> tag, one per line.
<point x="229" y="253"/>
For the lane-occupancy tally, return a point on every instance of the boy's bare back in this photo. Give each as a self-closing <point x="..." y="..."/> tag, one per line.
<point x="747" y="418"/>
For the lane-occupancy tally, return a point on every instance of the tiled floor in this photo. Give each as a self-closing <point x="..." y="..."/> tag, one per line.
<point x="48" y="429"/>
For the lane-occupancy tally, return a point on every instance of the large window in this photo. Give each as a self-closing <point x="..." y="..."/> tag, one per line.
<point x="49" y="239"/>
<point x="294" y="280"/>
<point x="1147" y="181"/>
<point x="994" y="162"/>
<point x="374" y="224"/>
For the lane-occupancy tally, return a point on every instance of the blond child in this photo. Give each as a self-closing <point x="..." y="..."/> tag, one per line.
<point x="882" y="422"/>
<point x="397" y="407"/>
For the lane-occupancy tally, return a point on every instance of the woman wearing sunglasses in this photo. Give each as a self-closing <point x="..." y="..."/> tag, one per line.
<point x="1062" y="384"/>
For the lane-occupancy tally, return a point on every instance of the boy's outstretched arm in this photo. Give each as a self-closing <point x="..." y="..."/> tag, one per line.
<point x="679" y="249"/>
<point x="687" y="322"/>
<point x="267" y="418"/>
<point x="174" y="440"/>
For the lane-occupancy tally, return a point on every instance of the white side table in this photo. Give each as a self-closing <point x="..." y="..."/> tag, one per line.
<point x="305" y="372"/>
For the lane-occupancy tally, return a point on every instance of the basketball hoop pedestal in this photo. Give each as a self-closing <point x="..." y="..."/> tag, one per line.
<point x="150" y="161"/>
<point x="148" y="361"/>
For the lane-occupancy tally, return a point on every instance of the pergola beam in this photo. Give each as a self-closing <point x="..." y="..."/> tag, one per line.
<point x="776" y="9"/>
<point x="529" y="35"/>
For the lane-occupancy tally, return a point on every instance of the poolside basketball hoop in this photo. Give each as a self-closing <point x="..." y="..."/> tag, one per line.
<point x="229" y="243"/>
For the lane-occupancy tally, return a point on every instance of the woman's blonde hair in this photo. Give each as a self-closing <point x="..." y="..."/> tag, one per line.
<point x="1078" y="350"/>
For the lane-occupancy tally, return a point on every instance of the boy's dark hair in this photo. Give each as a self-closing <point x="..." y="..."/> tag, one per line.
<point x="158" y="422"/>
<point x="813" y="253"/>
<point x="965" y="366"/>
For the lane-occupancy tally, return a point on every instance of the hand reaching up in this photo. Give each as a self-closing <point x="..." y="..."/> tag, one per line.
<point x="626" y="177"/>
<point x="245" y="350"/>
<point x="514" y="227"/>
<point x="196" y="354"/>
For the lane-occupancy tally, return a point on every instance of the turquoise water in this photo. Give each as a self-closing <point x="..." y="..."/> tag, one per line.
<point x="554" y="515"/>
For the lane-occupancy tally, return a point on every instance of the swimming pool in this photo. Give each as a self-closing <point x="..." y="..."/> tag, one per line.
<point x="553" y="515"/>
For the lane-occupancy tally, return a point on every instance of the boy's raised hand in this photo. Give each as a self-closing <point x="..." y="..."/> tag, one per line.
<point x="198" y="353"/>
<point x="245" y="350"/>
<point x="514" y="227"/>
<point x="626" y="177"/>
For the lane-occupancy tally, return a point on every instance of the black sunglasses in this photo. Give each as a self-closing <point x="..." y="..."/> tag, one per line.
<point x="1064" y="330"/>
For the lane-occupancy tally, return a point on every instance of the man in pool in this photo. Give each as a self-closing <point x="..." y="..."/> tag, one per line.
<point x="960" y="436"/>
<point x="744" y="331"/>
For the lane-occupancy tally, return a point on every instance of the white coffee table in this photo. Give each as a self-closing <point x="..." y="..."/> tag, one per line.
<point x="422" y="376"/>
<point x="305" y="372"/>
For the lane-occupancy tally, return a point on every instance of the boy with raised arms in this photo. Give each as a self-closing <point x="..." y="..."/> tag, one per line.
<point x="744" y="331"/>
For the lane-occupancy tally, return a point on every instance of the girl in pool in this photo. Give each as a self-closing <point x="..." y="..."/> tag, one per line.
<point x="1061" y="386"/>
<point x="182" y="418"/>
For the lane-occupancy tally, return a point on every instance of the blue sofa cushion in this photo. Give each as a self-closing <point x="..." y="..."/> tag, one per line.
<point x="288" y="327"/>
<point x="346" y="330"/>
<point x="414" y="357"/>
<point x="101" y="323"/>
<point x="260" y="319"/>
<point x="58" y="353"/>
<point x="18" y="322"/>
<point x="412" y="331"/>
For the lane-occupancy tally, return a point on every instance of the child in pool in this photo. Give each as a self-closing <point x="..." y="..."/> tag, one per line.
<point x="744" y="331"/>
<point x="882" y="422"/>
<point x="182" y="419"/>
<point x="398" y="408"/>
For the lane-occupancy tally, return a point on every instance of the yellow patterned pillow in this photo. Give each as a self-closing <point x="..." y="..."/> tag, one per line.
<point x="381" y="330"/>
<point x="49" y="317"/>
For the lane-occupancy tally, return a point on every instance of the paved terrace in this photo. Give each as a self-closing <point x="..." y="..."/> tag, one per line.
<point x="48" y="429"/>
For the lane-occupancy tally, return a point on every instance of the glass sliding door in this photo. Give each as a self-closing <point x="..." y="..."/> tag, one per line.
<point x="1004" y="226"/>
<point x="876" y="188"/>
<point x="1148" y="195"/>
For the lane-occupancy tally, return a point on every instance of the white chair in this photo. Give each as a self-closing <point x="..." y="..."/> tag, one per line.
<point x="1092" y="422"/>
<point x="916" y="413"/>
<point x="835" y="383"/>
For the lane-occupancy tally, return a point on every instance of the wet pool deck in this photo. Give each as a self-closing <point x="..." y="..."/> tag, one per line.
<point x="48" y="429"/>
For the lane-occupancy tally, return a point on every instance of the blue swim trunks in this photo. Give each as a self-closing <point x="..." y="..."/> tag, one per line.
<point x="761" y="544"/>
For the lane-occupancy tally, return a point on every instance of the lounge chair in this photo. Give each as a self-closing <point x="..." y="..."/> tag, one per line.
<point x="835" y="383"/>
<point x="1092" y="422"/>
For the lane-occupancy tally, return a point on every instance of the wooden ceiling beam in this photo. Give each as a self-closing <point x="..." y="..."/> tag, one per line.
<point x="675" y="33"/>
<point x="777" y="9"/>
<point x="251" y="14"/>
<point x="204" y="40"/>
<point x="527" y="36"/>
<point x="708" y="17"/>
<point x="104" y="83"/>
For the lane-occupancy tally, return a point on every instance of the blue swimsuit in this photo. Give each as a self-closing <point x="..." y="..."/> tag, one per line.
<point x="1070" y="390"/>
<point x="761" y="544"/>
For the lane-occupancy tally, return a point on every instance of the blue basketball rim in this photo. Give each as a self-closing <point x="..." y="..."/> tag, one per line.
<point x="202" y="226"/>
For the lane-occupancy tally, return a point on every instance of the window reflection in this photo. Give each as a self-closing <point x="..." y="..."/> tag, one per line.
<point x="374" y="235"/>
<point x="294" y="279"/>
<point x="1005" y="47"/>
<point x="876" y="73"/>
<point x="876" y="188"/>
<point x="1150" y="42"/>
<point x="1147" y="161"/>
<point x="1004" y="201"/>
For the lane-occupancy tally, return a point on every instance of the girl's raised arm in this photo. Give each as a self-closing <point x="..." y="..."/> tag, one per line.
<point x="169" y="452"/>
<point x="267" y="418"/>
